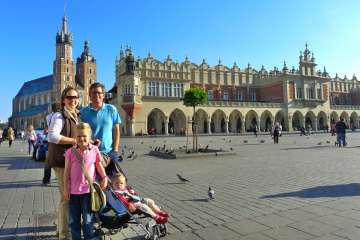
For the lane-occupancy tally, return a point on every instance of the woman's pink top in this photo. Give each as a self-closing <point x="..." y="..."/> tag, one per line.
<point x="78" y="182"/>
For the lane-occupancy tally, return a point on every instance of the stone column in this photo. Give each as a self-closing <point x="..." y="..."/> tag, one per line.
<point x="166" y="125"/>
<point x="315" y="124"/>
<point x="243" y="130"/>
<point x="289" y="123"/>
<point x="209" y="126"/>
<point x="227" y="126"/>
<point x="132" y="127"/>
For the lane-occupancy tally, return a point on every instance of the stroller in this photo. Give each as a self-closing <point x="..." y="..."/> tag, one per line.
<point x="115" y="216"/>
<point x="40" y="148"/>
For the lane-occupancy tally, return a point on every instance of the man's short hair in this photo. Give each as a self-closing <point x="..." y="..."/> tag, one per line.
<point x="96" y="85"/>
<point x="342" y="119"/>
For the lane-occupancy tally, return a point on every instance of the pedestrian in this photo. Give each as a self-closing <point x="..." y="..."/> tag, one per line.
<point x="276" y="132"/>
<point x="105" y="121"/>
<point x="10" y="135"/>
<point x="55" y="107"/>
<point x="77" y="189"/>
<point x="340" y="127"/>
<point x="1" y="136"/>
<point x="255" y="129"/>
<point x="30" y="136"/>
<point x="62" y="137"/>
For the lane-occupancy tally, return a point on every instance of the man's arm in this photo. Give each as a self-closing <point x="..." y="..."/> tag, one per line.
<point x="116" y="137"/>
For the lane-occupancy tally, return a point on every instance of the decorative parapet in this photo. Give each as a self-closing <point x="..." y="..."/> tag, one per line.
<point x="243" y="104"/>
<point x="345" y="107"/>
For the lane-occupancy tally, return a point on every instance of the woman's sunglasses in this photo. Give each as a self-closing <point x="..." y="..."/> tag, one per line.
<point x="71" y="97"/>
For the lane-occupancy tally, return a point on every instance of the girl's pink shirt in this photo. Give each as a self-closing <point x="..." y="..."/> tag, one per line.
<point x="78" y="182"/>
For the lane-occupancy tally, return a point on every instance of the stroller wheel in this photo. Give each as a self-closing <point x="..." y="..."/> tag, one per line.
<point x="113" y="231"/>
<point x="155" y="233"/>
<point x="163" y="230"/>
<point x="100" y="233"/>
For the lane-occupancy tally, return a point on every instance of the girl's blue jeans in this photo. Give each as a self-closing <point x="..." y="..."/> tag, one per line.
<point x="79" y="207"/>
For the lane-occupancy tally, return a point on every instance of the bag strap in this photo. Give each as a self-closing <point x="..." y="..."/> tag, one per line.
<point x="83" y="168"/>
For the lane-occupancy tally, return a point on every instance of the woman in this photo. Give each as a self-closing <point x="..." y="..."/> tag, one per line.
<point x="61" y="137"/>
<point x="10" y="135"/>
<point x="30" y="136"/>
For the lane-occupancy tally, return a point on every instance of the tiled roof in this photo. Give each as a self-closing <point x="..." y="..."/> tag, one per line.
<point x="33" y="110"/>
<point x="37" y="85"/>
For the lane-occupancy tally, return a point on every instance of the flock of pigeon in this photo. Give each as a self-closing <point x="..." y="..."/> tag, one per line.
<point x="163" y="149"/>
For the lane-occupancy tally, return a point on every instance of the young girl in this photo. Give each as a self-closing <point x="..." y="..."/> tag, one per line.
<point x="30" y="136"/>
<point x="77" y="189"/>
<point x="134" y="202"/>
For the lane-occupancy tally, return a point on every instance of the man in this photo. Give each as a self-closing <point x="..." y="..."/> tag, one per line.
<point x="341" y="131"/>
<point x="104" y="120"/>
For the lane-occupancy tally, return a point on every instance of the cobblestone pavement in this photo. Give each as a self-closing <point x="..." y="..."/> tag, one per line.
<point x="302" y="188"/>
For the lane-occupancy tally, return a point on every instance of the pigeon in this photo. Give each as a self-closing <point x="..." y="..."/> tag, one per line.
<point x="211" y="193"/>
<point x="320" y="143"/>
<point x="151" y="147"/>
<point x="125" y="146"/>
<point x="328" y="141"/>
<point x="223" y="139"/>
<point x="180" y="148"/>
<point x="182" y="179"/>
<point x="142" y="143"/>
<point x="132" y="156"/>
<point x="229" y="140"/>
<point x="206" y="147"/>
<point x="245" y="141"/>
<point x="231" y="149"/>
<point x="163" y="148"/>
<point x="262" y="141"/>
<point x="171" y="151"/>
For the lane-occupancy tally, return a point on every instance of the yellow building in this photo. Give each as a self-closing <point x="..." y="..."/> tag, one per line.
<point x="148" y="94"/>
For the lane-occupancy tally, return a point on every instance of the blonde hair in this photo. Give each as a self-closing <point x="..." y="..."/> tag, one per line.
<point x="118" y="176"/>
<point x="82" y="126"/>
<point x="30" y="127"/>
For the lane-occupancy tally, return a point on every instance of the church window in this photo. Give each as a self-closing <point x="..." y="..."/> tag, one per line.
<point x="127" y="89"/>
<point x="319" y="93"/>
<point x="168" y="90"/>
<point x="178" y="89"/>
<point x="298" y="92"/>
<point x="90" y="70"/>
<point x="253" y="97"/>
<point x="67" y="69"/>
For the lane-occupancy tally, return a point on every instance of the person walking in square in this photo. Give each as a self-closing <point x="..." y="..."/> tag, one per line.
<point x="276" y="132"/>
<point x="104" y="120"/>
<point x="340" y="127"/>
<point x="30" y="136"/>
<point x="10" y="135"/>
<point x="61" y="137"/>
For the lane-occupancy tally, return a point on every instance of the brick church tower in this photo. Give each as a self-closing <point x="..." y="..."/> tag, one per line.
<point x="63" y="67"/>
<point x="85" y="72"/>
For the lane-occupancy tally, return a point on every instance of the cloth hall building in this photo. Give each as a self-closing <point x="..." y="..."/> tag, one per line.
<point x="148" y="94"/>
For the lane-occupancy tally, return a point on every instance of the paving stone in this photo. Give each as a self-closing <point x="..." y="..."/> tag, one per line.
<point x="273" y="220"/>
<point x="319" y="210"/>
<point x="245" y="227"/>
<point x="313" y="227"/>
<point x="297" y="214"/>
<point x="352" y="233"/>
<point x="215" y="233"/>
<point x="338" y="221"/>
<point x="286" y="233"/>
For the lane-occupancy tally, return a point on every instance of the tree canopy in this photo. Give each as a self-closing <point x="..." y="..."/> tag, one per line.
<point x="195" y="96"/>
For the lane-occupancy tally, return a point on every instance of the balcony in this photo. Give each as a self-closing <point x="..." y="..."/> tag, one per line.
<point x="308" y="102"/>
<point x="345" y="107"/>
<point x="243" y="104"/>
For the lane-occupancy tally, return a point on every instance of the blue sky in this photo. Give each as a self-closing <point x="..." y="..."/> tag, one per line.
<point x="259" y="32"/>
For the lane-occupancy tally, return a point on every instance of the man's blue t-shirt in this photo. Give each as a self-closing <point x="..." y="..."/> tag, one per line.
<point x="102" y="123"/>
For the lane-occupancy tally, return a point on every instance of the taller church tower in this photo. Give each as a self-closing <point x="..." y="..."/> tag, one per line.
<point x="63" y="67"/>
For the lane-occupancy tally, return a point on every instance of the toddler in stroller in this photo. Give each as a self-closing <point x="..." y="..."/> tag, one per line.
<point x="120" y="210"/>
<point x="134" y="203"/>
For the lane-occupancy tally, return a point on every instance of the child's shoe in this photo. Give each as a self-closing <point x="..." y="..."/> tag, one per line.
<point x="160" y="219"/>
<point x="164" y="214"/>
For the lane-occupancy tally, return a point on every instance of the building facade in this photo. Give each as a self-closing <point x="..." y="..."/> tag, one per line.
<point x="33" y="101"/>
<point x="148" y="94"/>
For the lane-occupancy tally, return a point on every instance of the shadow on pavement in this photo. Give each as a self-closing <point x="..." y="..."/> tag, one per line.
<point x="302" y="148"/>
<point x="23" y="184"/>
<point x="20" y="162"/>
<point x="195" y="200"/>
<point x="342" y="190"/>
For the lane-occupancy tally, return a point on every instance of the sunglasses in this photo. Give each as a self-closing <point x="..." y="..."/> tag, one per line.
<point x="71" y="97"/>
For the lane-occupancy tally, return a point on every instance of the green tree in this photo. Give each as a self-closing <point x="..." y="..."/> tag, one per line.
<point x="192" y="98"/>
